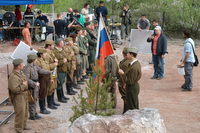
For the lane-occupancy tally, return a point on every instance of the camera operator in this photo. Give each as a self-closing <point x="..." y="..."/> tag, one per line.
<point x="61" y="25"/>
<point x="79" y="17"/>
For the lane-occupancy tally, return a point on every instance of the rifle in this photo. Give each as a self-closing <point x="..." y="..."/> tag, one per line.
<point x="9" y="92"/>
<point x="91" y="34"/>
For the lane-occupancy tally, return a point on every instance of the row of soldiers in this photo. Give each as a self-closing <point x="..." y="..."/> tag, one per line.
<point x="59" y="62"/>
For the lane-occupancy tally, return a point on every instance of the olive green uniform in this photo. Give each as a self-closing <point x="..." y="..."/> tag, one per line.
<point x="132" y="76"/>
<point x="75" y="48"/>
<point x="50" y="58"/>
<point x="19" y="98"/>
<point x="85" y="57"/>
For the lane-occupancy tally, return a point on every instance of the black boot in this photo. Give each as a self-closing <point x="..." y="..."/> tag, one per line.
<point x="76" y="86"/>
<point x="71" y="88"/>
<point x="69" y="91"/>
<point x="64" y="97"/>
<point x="60" y="98"/>
<point x="54" y="103"/>
<point x="50" y="102"/>
<point x="42" y="107"/>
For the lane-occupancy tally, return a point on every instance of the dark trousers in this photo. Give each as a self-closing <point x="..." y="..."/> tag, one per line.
<point x="44" y="85"/>
<point x="61" y="79"/>
<point x="188" y="66"/>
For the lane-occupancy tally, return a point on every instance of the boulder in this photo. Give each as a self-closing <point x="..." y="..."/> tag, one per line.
<point x="145" y="120"/>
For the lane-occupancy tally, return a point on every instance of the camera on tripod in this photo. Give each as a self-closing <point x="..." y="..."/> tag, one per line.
<point x="72" y="15"/>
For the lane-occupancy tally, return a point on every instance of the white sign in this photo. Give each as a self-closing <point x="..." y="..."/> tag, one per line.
<point x="139" y="40"/>
<point x="22" y="51"/>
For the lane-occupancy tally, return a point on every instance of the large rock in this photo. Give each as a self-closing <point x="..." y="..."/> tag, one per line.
<point x="144" y="120"/>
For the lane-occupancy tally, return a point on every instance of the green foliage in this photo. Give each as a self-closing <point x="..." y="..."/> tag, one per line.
<point x="98" y="100"/>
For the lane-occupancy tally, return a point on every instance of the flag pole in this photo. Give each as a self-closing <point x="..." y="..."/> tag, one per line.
<point x="111" y="46"/>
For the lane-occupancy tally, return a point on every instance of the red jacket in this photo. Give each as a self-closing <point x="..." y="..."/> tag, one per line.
<point x="18" y="14"/>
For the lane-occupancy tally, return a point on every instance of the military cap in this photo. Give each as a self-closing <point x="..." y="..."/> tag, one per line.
<point x="86" y="24"/>
<point x="101" y="2"/>
<point x="125" y="50"/>
<point x="133" y="50"/>
<point x="95" y="22"/>
<point x="84" y="28"/>
<point x="92" y="24"/>
<point x="58" y="40"/>
<point x="68" y="39"/>
<point x="17" y="62"/>
<point x="42" y="50"/>
<point x="32" y="56"/>
<point x="50" y="42"/>
<point x="77" y="28"/>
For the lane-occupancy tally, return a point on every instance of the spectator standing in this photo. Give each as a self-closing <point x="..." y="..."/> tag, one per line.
<point x="126" y="16"/>
<point x="18" y="13"/>
<point x="188" y="60"/>
<point x="103" y="10"/>
<point x="159" y="49"/>
<point x="85" y="11"/>
<point x="143" y="23"/>
<point x="81" y="19"/>
<point x="26" y="34"/>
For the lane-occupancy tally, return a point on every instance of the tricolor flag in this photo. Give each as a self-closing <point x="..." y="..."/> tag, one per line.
<point x="104" y="47"/>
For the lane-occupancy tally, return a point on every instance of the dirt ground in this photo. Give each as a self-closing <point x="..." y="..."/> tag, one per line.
<point x="180" y="110"/>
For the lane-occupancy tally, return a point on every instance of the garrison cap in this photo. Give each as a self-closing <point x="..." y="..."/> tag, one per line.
<point x="17" y="62"/>
<point x="84" y="28"/>
<point x="86" y="24"/>
<point x="133" y="50"/>
<point x="50" y="42"/>
<point x="78" y="28"/>
<point x="125" y="50"/>
<point x="42" y="50"/>
<point x="32" y="56"/>
<point x="95" y="22"/>
<point x="101" y="2"/>
<point x="58" y="40"/>
<point x="68" y="39"/>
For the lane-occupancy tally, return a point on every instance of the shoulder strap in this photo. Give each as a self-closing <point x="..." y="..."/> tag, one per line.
<point x="40" y="63"/>
<point x="30" y="71"/>
<point x="19" y="77"/>
<point x="192" y="47"/>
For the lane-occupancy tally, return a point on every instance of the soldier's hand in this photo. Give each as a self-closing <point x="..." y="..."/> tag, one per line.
<point x="120" y="71"/>
<point x="87" y="44"/>
<point x="56" y="60"/>
<point x="124" y="87"/>
<point x="72" y="53"/>
<point x="85" y="52"/>
<point x="52" y="82"/>
<point x="65" y="60"/>
<point x="25" y="82"/>
<point x="37" y="84"/>
<point x="56" y="63"/>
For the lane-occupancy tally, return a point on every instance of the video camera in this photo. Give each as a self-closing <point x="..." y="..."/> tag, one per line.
<point x="72" y="15"/>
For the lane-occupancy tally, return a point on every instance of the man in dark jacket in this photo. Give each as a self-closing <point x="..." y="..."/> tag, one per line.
<point x="103" y="10"/>
<point x="159" y="49"/>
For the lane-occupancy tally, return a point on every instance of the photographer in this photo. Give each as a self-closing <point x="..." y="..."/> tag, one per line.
<point x="79" y="17"/>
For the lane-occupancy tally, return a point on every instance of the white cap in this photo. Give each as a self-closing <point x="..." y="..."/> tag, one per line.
<point x="157" y="28"/>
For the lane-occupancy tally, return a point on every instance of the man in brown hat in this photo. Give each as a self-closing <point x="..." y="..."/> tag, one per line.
<point x="53" y="62"/>
<point x="18" y="87"/>
<point x="124" y="66"/>
<point x="132" y="76"/>
<point x="62" y="69"/>
<point x="31" y="70"/>
<point x="71" y="67"/>
<point x="43" y="79"/>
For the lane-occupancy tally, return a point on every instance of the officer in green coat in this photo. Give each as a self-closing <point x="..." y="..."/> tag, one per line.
<point x="124" y="66"/>
<point x="132" y="76"/>
<point x="96" y="25"/>
<point x="92" y="47"/>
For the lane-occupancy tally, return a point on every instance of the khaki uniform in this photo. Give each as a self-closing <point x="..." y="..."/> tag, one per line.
<point x="31" y="71"/>
<point x="43" y="79"/>
<point x="78" y="59"/>
<point x="124" y="66"/>
<point x="110" y="67"/>
<point x="50" y="58"/>
<point x="19" y="98"/>
<point x="62" y="67"/>
<point x="132" y="76"/>
<point x="71" y="66"/>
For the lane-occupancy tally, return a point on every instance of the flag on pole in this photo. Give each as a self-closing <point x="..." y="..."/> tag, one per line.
<point x="104" y="47"/>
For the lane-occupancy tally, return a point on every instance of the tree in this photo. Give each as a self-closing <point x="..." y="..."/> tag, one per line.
<point x="98" y="99"/>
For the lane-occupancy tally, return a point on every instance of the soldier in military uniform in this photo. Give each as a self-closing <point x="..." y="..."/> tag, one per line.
<point x="71" y="66"/>
<point x="96" y="25"/>
<point x="18" y="87"/>
<point x="31" y="70"/>
<point x="92" y="47"/>
<point x="92" y="29"/>
<point x="132" y="76"/>
<point x="85" y="56"/>
<point x="53" y="62"/>
<point x="62" y="68"/>
<point x="124" y="66"/>
<point x="44" y="80"/>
